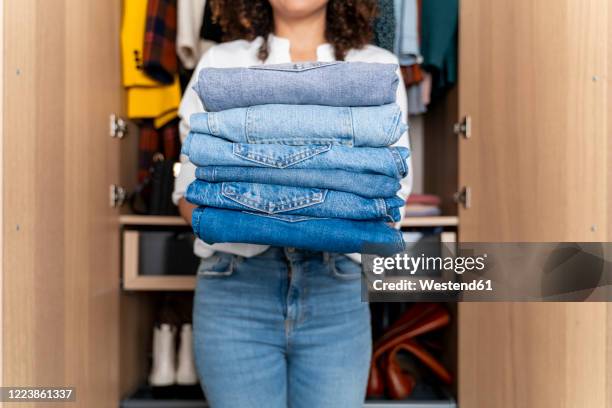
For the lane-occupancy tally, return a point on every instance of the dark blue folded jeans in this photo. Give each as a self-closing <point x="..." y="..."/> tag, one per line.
<point x="214" y="225"/>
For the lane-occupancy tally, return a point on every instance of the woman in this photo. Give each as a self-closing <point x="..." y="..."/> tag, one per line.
<point x="279" y="327"/>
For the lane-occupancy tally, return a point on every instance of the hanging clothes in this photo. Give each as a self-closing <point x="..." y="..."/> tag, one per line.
<point x="146" y="97"/>
<point x="411" y="74"/>
<point x="416" y="104"/>
<point x="439" y="23"/>
<point x="189" y="46"/>
<point x="159" y="48"/>
<point x="406" y="45"/>
<point x="384" y="25"/>
<point x="152" y="141"/>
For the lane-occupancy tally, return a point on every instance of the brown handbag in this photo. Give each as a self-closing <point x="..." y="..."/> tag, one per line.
<point x="419" y="319"/>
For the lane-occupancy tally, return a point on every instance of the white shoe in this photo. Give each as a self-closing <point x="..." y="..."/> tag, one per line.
<point x="186" y="372"/>
<point x="163" y="372"/>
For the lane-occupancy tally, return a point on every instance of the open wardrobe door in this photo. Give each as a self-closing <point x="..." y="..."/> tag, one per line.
<point x="60" y="263"/>
<point x="532" y="160"/>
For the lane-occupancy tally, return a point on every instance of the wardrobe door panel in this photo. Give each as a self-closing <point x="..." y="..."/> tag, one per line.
<point x="60" y="266"/>
<point x="532" y="80"/>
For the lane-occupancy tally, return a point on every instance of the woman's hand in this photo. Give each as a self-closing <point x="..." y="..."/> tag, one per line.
<point x="186" y="209"/>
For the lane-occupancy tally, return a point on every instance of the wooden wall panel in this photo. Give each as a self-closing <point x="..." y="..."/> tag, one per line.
<point x="60" y="269"/>
<point x="534" y="77"/>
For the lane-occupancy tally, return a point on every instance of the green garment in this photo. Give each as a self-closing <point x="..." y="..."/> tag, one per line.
<point x="439" y="22"/>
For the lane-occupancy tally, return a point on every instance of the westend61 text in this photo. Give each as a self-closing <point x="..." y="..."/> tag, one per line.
<point x="430" y="285"/>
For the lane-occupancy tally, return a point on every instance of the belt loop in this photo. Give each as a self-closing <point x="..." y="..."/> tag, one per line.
<point x="326" y="257"/>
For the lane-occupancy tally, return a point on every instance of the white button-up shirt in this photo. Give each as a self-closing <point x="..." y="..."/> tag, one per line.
<point x="243" y="53"/>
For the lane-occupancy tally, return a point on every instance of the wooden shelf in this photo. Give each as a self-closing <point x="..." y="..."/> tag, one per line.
<point x="440" y="221"/>
<point x="172" y="220"/>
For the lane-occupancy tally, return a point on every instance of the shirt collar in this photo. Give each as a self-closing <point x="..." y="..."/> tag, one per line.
<point x="279" y="51"/>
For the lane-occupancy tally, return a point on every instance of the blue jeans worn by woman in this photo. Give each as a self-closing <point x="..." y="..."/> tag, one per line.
<point x="283" y="329"/>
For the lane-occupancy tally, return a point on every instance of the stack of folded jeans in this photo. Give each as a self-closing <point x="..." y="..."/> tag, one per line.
<point x="297" y="155"/>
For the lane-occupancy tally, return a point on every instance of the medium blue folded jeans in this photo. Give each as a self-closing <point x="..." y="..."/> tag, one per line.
<point x="365" y="185"/>
<point x="373" y="126"/>
<point x="207" y="150"/>
<point x="310" y="83"/>
<point x="214" y="225"/>
<point x="275" y="199"/>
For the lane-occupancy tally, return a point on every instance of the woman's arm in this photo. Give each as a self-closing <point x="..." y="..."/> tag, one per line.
<point x="190" y="104"/>
<point x="186" y="209"/>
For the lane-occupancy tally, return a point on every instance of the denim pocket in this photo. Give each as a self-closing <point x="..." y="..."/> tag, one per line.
<point x="294" y="67"/>
<point x="344" y="268"/>
<point x="218" y="265"/>
<point x="279" y="156"/>
<point x="270" y="198"/>
<point x="299" y="125"/>
<point x="285" y="217"/>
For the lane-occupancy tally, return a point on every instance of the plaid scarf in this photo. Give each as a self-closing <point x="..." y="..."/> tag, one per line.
<point x="159" y="49"/>
<point x="153" y="141"/>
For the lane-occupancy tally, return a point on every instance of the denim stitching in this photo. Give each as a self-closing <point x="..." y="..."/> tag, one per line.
<point x="212" y="123"/>
<point x="247" y="124"/>
<point x="286" y="217"/>
<point x="394" y="126"/>
<point x="300" y="142"/>
<point x="351" y="126"/>
<point x="273" y="206"/>
<point x="195" y="221"/>
<point x="380" y="208"/>
<point x="241" y="151"/>
<point x="294" y="67"/>
<point x="400" y="165"/>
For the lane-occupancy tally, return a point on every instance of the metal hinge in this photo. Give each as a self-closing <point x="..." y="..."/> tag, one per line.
<point x="117" y="195"/>
<point x="464" y="128"/>
<point x="464" y="197"/>
<point x="118" y="126"/>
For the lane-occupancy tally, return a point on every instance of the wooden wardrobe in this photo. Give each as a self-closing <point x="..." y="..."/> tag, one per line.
<point x="535" y="84"/>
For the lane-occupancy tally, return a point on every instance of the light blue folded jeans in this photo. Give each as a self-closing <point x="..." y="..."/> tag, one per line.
<point x="372" y="126"/>
<point x="215" y="225"/>
<point x="304" y="83"/>
<point x="363" y="184"/>
<point x="207" y="150"/>
<point x="274" y="199"/>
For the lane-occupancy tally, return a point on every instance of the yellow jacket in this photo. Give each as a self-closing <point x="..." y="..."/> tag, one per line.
<point x="146" y="98"/>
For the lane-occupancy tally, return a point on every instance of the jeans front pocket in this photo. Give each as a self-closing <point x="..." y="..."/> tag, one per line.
<point x="344" y="268"/>
<point x="218" y="265"/>
<point x="272" y="199"/>
<point x="278" y="156"/>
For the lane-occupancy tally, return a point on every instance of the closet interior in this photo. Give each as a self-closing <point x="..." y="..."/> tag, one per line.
<point x="147" y="276"/>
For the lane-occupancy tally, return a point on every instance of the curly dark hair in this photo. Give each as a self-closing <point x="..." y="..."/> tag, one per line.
<point x="349" y="22"/>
